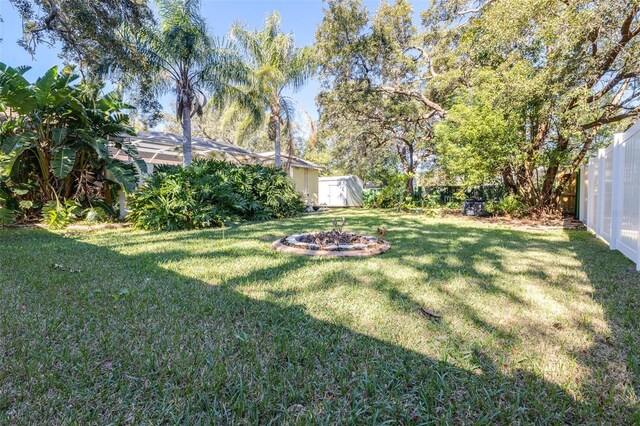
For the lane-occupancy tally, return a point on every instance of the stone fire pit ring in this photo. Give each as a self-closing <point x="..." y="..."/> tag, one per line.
<point x="293" y="244"/>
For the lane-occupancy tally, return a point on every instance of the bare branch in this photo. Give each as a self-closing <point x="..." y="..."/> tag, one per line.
<point x="475" y="9"/>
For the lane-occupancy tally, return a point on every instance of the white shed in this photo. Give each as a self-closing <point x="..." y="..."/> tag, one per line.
<point x="340" y="191"/>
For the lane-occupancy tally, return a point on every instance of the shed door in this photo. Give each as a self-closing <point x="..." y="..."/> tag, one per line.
<point x="336" y="194"/>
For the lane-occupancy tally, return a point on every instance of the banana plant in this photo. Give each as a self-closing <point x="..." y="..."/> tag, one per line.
<point x="56" y="131"/>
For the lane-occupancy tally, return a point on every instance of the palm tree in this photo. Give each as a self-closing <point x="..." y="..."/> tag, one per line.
<point x="276" y="66"/>
<point x="180" y="57"/>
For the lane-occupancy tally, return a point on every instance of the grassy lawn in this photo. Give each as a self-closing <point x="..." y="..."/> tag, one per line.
<point x="213" y="326"/>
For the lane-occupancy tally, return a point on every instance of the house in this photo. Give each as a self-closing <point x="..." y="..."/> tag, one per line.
<point x="166" y="148"/>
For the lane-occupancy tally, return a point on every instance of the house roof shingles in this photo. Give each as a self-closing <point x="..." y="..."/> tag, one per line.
<point x="166" y="148"/>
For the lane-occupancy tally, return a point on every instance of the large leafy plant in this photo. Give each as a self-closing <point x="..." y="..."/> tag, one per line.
<point x="211" y="193"/>
<point x="54" y="140"/>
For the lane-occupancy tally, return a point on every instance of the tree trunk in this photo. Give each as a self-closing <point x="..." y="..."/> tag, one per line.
<point x="43" y="156"/>
<point x="405" y="152"/>
<point x="563" y="181"/>
<point x="410" y="187"/>
<point x="186" y="135"/>
<point x="276" y="137"/>
<point x="547" y="196"/>
<point x="410" y="170"/>
<point x="507" y="179"/>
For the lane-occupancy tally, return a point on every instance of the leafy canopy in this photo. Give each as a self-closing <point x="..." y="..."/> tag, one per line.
<point x="561" y="75"/>
<point x="87" y="29"/>
<point x="374" y="112"/>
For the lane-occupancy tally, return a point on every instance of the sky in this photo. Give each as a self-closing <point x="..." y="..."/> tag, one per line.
<point x="300" y="17"/>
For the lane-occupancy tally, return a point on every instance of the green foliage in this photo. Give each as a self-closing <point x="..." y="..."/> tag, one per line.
<point x="54" y="142"/>
<point x="524" y="90"/>
<point x="58" y="215"/>
<point x="476" y="141"/>
<point x="392" y="195"/>
<point x="544" y="83"/>
<point x="369" y="197"/>
<point x="96" y="214"/>
<point x="373" y="115"/>
<point x="211" y="193"/>
<point x="507" y="206"/>
<point x="7" y="215"/>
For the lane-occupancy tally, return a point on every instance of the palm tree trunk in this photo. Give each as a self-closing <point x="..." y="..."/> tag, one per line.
<point x="276" y="146"/>
<point x="275" y="117"/>
<point x="186" y="135"/>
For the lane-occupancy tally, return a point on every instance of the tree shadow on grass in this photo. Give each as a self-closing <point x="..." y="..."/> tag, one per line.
<point x="614" y="355"/>
<point x="126" y="340"/>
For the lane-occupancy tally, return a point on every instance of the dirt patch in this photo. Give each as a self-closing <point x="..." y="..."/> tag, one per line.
<point x="540" y="222"/>
<point x="96" y="226"/>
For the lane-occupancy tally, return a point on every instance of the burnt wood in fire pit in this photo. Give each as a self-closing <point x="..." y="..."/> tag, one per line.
<point x="332" y="243"/>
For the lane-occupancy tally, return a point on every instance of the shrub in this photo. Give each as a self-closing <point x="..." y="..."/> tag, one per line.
<point x="507" y="206"/>
<point x="369" y="197"/>
<point x="392" y="195"/>
<point x="212" y="193"/>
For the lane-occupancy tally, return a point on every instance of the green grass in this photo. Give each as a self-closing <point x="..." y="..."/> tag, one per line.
<point x="215" y="327"/>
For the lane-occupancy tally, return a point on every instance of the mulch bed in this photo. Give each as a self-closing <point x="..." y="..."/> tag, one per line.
<point x="532" y="222"/>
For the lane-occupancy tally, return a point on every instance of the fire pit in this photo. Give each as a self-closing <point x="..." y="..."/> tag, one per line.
<point x="333" y="243"/>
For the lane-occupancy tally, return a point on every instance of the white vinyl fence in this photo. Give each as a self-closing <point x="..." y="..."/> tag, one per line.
<point x="610" y="194"/>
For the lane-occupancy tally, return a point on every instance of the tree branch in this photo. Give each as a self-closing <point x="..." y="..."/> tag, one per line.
<point x="412" y="94"/>
<point x="614" y="119"/>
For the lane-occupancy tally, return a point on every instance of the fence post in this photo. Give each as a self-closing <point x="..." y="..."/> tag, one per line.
<point x="584" y="193"/>
<point x="600" y="206"/>
<point x="592" y="208"/>
<point x="617" y="189"/>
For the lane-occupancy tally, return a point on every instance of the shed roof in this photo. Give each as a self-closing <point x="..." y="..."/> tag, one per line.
<point x="346" y="177"/>
<point x="269" y="157"/>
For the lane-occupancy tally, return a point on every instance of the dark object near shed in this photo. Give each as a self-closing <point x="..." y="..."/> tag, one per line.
<point x="474" y="208"/>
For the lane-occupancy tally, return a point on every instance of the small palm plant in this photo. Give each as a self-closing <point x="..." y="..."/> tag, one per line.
<point x="277" y="65"/>
<point x="180" y="57"/>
